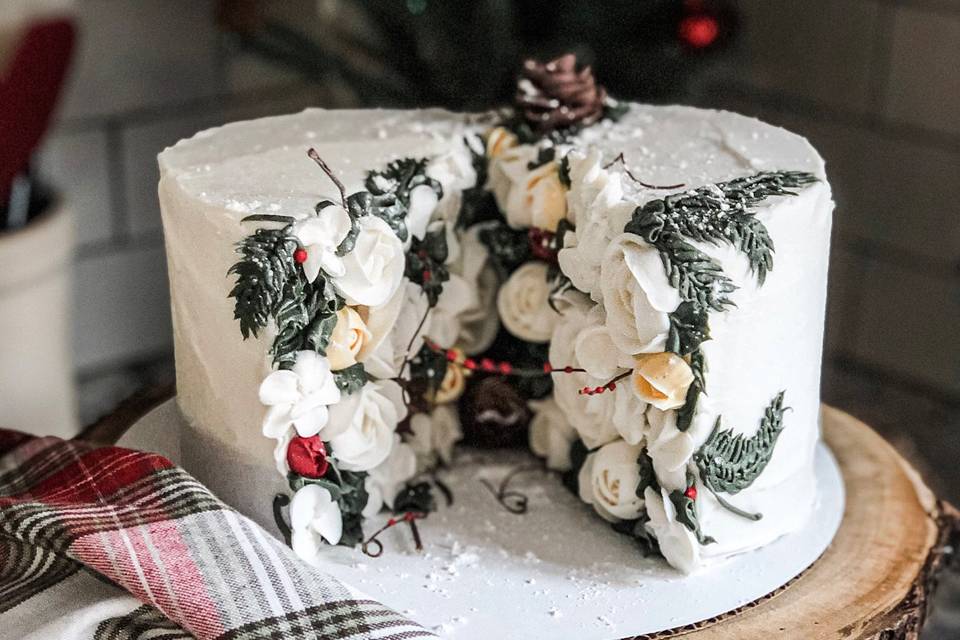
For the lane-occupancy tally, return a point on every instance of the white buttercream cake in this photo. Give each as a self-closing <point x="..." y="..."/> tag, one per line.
<point x="666" y="264"/>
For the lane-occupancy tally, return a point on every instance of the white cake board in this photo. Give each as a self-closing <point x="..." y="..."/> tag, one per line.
<point x="556" y="571"/>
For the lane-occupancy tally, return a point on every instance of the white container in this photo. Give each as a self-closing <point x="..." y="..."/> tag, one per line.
<point x="37" y="391"/>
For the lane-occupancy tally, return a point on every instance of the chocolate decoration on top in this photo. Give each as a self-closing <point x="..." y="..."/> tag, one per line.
<point x="556" y="95"/>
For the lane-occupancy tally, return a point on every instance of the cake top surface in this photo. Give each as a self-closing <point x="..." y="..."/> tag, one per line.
<point x="260" y="166"/>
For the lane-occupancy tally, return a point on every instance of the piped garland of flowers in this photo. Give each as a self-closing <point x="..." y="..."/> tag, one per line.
<point x="310" y="280"/>
<point x="320" y="282"/>
<point x="530" y="174"/>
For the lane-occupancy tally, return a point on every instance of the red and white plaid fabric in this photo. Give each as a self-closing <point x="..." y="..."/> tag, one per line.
<point x="114" y="544"/>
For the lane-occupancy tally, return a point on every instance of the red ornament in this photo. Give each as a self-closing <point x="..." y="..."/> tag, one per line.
<point x="691" y="492"/>
<point x="300" y="255"/>
<point x="307" y="457"/>
<point x="699" y="31"/>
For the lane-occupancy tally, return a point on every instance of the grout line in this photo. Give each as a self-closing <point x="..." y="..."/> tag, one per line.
<point x="850" y="364"/>
<point x="945" y="8"/>
<point x="116" y="177"/>
<point x="882" y="58"/>
<point x="106" y="247"/>
<point x="177" y="110"/>
<point x="814" y="109"/>
<point x="887" y="253"/>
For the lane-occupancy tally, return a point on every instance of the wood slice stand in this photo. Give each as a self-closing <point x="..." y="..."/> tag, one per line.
<point x="876" y="580"/>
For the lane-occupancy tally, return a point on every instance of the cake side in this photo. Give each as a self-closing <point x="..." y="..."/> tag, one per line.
<point x="766" y="342"/>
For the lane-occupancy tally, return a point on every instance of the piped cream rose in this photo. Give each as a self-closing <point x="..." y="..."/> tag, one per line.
<point x="636" y="295"/>
<point x="347" y="339"/>
<point x="608" y="480"/>
<point x="299" y="397"/>
<point x="523" y="303"/>
<point x="661" y="379"/>
<point x="362" y="425"/>
<point x="373" y="269"/>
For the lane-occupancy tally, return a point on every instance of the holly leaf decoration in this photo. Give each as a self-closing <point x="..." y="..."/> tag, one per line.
<point x="415" y="497"/>
<point x="729" y="462"/>
<point x="426" y="262"/>
<point x="509" y="248"/>
<point x="264" y="271"/>
<point x="688" y="328"/>
<point x="648" y="477"/>
<point x="686" y="509"/>
<point x="698" y="366"/>
<point x="351" y="379"/>
<point x="389" y="191"/>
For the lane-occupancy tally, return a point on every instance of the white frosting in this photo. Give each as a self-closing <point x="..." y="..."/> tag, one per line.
<point x="771" y="340"/>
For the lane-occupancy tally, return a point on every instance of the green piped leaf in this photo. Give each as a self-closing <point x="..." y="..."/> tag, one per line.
<point x="729" y="463"/>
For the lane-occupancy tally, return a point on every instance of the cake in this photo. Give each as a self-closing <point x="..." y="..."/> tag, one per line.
<point x="636" y="290"/>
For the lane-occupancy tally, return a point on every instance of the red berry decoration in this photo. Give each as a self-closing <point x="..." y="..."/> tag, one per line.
<point x="487" y="364"/>
<point x="300" y="255"/>
<point x="307" y="457"/>
<point x="691" y="492"/>
<point x="699" y="31"/>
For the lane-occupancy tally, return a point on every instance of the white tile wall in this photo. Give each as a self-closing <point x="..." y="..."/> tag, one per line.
<point x="909" y="325"/>
<point x="830" y="47"/>
<point x="141" y="144"/>
<point x="142" y="53"/>
<point x="76" y="164"/>
<point x="121" y="306"/>
<point x="924" y="83"/>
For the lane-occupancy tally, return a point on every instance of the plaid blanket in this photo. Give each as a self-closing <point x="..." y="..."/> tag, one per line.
<point x="114" y="544"/>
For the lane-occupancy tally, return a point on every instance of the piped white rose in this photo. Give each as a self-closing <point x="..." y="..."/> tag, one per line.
<point x="362" y="425"/>
<point x="433" y="435"/>
<point x="609" y="479"/>
<point x="373" y="269"/>
<point x="636" y="295"/>
<point x="314" y="518"/>
<point x="385" y="481"/>
<point x="523" y="303"/>
<point x="551" y="434"/>
<point x="299" y="397"/>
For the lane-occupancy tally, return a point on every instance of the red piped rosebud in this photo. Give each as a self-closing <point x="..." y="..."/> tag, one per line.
<point x="691" y="492"/>
<point x="300" y="255"/>
<point x="307" y="457"/>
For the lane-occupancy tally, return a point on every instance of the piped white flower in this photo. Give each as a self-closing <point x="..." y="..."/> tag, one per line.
<point x="677" y="543"/>
<point x="299" y="396"/>
<point x="314" y="518"/>
<point x="385" y="480"/>
<point x="320" y="235"/>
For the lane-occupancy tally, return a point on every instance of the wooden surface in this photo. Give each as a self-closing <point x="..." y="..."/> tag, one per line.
<point x="873" y="583"/>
